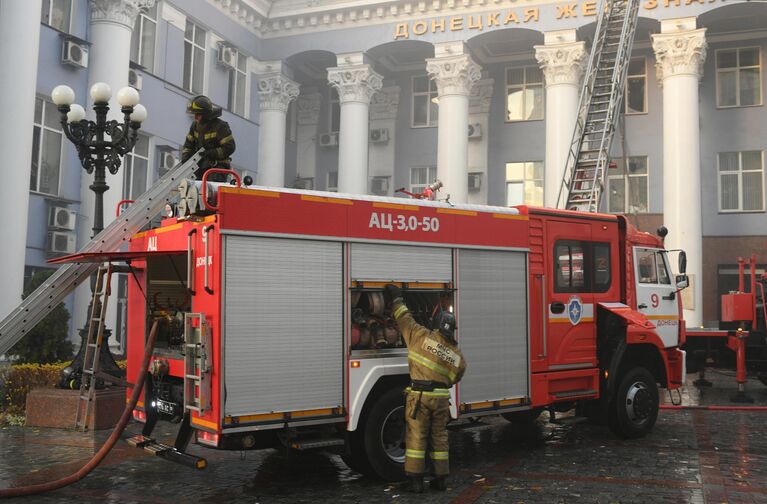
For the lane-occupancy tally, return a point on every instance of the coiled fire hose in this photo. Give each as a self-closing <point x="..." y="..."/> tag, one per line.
<point x="108" y="445"/>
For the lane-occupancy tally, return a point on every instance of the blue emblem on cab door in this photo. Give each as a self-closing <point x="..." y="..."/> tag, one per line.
<point x="574" y="310"/>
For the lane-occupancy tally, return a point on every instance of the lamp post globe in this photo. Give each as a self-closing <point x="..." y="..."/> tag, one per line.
<point x="63" y="95"/>
<point x="101" y="92"/>
<point x="127" y="97"/>
<point x="139" y="114"/>
<point x="76" y="113"/>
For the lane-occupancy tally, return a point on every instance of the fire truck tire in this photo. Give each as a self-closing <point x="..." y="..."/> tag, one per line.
<point x="523" y="417"/>
<point x="384" y="433"/>
<point x="634" y="408"/>
<point x="354" y="456"/>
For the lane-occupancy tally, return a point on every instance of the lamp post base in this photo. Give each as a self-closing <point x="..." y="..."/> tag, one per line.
<point x="71" y="375"/>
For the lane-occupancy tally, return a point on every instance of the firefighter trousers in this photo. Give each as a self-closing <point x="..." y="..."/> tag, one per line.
<point x="427" y="430"/>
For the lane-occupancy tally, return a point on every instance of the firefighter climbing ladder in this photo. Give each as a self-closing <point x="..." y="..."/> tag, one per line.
<point x="46" y="297"/>
<point x="599" y="109"/>
<point x="98" y="313"/>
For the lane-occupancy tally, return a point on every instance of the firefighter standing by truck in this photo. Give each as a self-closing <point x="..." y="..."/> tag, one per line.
<point x="210" y="133"/>
<point x="435" y="365"/>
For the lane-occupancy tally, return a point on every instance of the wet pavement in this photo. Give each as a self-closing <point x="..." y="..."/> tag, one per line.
<point x="692" y="456"/>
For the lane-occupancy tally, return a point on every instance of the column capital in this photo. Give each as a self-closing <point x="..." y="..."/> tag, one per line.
<point x="561" y="63"/>
<point x="122" y="12"/>
<point x="384" y="103"/>
<point x="481" y="96"/>
<point x="680" y="53"/>
<point x="355" y="83"/>
<point x="276" y="91"/>
<point x="454" y="75"/>
<point x="309" y="107"/>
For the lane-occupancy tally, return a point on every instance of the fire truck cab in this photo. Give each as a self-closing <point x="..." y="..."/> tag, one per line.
<point x="275" y="331"/>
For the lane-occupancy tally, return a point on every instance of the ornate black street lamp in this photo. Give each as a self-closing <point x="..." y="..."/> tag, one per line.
<point x="100" y="145"/>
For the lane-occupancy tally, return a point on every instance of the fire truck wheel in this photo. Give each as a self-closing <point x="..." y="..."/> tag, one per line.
<point x="354" y="456"/>
<point x="384" y="432"/>
<point x="523" y="417"/>
<point x="634" y="408"/>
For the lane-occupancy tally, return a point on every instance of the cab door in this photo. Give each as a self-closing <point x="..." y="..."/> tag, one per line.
<point x="570" y="328"/>
<point x="656" y="294"/>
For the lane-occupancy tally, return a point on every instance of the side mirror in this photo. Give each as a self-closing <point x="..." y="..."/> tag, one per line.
<point x="682" y="282"/>
<point x="682" y="262"/>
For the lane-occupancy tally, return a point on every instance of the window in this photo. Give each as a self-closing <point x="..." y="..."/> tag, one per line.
<point x="46" y="148"/>
<point x="524" y="183"/>
<point x="57" y="14"/>
<point x="652" y="267"/>
<point x="581" y="266"/>
<point x="136" y="169"/>
<point x="237" y="85"/>
<point x="636" y="87"/>
<point x="194" y="58"/>
<point x="425" y="109"/>
<point x="143" y="38"/>
<point x="420" y="177"/>
<point x="738" y="77"/>
<point x="627" y="189"/>
<point x="524" y="94"/>
<point x="741" y="183"/>
<point x="334" y="114"/>
<point x="332" y="181"/>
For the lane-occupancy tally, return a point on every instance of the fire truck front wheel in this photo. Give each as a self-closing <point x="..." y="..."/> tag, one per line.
<point x="384" y="433"/>
<point x="634" y="407"/>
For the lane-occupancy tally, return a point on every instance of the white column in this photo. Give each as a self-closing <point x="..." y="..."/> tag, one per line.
<point x="479" y="113"/>
<point x="680" y="51"/>
<point x="356" y="82"/>
<point x="383" y="116"/>
<point x="308" y="118"/>
<point x="454" y="72"/>
<point x="562" y="59"/>
<point x="20" y="31"/>
<point x="275" y="91"/>
<point x="111" y="27"/>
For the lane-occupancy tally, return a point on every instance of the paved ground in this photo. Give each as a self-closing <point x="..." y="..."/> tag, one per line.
<point x="692" y="456"/>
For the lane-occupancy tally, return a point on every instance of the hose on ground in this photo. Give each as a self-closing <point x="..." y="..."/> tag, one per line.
<point x="108" y="445"/>
<point x="713" y="408"/>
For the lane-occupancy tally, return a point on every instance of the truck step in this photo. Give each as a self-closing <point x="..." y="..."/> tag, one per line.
<point x="469" y="426"/>
<point x="167" y="452"/>
<point x="313" y="444"/>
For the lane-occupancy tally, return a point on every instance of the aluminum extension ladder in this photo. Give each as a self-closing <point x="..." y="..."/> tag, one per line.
<point x="53" y="291"/>
<point x="599" y="109"/>
<point x="93" y="344"/>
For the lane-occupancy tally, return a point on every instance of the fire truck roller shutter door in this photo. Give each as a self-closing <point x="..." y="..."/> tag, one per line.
<point x="283" y="325"/>
<point x="401" y="263"/>
<point x="492" y="324"/>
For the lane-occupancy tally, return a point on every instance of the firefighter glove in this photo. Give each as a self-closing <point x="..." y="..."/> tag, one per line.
<point x="210" y="154"/>
<point x="392" y="292"/>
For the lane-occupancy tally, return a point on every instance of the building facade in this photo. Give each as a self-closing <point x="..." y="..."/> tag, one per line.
<point x="370" y="97"/>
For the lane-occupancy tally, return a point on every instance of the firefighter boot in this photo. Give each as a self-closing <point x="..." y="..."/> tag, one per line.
<point x="416" y="484"/>
<point x="438" y="483"/>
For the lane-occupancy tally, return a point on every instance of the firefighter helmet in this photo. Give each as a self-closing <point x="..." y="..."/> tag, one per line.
<point x="444" y="322"/>
<point x="202" y="105"/>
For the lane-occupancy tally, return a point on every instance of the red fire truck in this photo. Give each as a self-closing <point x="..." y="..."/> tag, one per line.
<point x="275" y="329"/>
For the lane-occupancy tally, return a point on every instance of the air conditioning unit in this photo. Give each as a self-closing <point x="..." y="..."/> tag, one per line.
<point x="62" y="218"/>
<point x="227" y="56"/>
<point x="379" y="135"/>
<point x="475" y="181"/>
<point x="303" y="183"/>
<point x="475" y="130"/>
<point x="329" y="140"/>
<point x="135" y="79"/>
<point x="74" y="54"/>
<point x="167" y="161"/>
<point x="379" y="186"/>
<point x="61" y="243"/>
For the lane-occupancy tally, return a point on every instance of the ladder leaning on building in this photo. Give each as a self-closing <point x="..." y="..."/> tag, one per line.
<point x="599" y="109"/>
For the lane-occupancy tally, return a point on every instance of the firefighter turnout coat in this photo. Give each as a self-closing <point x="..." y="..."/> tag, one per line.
<point x="435" y="365"/>
<point x="215" y="137"/>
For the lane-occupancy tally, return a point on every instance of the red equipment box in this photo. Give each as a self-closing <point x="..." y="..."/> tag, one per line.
<point x="737" y="307"/>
